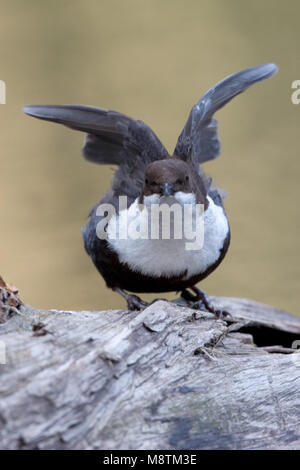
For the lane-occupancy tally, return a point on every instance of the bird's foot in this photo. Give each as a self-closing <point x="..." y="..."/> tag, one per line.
<point x="136" y="303"/>
<point x="201" y="301"/>
<point x="133" y="301"/>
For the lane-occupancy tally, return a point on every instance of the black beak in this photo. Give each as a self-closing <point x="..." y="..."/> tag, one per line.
<point x="167" y="190"/>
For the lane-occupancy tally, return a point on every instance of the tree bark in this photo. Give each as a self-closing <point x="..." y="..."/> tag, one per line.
<point x="168" y="377"/>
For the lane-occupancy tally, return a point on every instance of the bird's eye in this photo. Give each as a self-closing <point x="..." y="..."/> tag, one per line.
<point x="146" y="181"/>
<point x="186" y="178"/>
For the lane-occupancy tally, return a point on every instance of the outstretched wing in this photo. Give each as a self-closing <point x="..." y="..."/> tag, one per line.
<point x="113" y="138"/>
<point x="199" y="139"/>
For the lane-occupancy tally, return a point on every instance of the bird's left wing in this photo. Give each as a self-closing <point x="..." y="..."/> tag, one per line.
<point x="199" y="140"/>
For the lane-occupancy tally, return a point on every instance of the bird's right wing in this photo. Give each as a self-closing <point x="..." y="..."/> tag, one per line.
<point x="112" y="138"/>
<point x="199" y="140"/>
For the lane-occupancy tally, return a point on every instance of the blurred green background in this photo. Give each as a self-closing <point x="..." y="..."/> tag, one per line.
<point x="152" y="60"/>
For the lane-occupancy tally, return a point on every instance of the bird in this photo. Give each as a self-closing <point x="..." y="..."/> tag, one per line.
<point x="148" y="177"/>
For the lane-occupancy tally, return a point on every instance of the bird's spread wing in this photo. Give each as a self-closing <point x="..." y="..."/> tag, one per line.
<point x="199" y="139"/>
<point x="113" y="138"/>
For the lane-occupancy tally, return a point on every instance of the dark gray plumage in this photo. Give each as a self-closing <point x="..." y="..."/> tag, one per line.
<point x="114" y="138"/>
<point x="199" y="139"/>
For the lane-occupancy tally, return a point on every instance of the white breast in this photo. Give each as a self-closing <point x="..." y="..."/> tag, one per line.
<point x="169" y="257"/>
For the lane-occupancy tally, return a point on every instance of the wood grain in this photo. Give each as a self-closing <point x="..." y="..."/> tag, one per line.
<point x="165" y="378"/>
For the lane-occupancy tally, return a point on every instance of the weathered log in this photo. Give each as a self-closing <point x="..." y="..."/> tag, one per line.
<point x="168" y="377"/>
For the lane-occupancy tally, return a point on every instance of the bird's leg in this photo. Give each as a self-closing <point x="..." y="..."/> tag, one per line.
<point x="203" y="298"/>
<point x="199" y="300"/>
<point x="202" y="301"/>
<point x="133" y="301"/>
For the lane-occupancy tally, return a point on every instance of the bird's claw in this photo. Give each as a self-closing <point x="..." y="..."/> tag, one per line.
<point x="201" y="301"/>
<point x="135" y="303"/>
<point x="222" y="314"/>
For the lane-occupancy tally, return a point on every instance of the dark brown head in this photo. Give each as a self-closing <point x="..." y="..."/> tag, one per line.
<point x="166" y="177"/>
<point x="169" y="176"/>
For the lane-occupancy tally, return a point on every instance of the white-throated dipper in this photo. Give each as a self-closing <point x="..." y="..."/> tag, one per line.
<point x="147" y="186"/>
